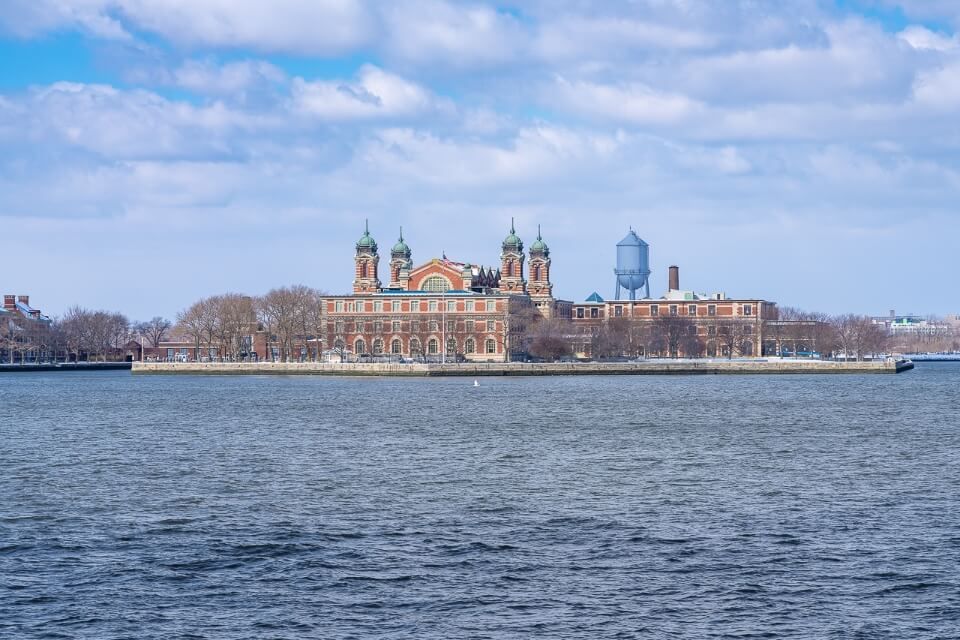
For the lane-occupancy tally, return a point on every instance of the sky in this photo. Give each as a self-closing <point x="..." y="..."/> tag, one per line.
<point x="805" y="152"/>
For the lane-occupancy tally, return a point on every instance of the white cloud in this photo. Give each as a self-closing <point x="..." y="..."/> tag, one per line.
<point x="627" y="102"/>
<point x="922" y="38"/>
<point x="375" y="94"/>
<point x="208" y="78"/>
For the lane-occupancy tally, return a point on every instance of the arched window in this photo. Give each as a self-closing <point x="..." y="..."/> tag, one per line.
<point x="491" y="345"/>
<point x="433" y="347"/>
<point x="536" y="272"/>
<point x="359" y="346"/>
<point x="436" y="284"/>
<point x="396" y="347"/>
<point x="470" y="346"/>
<point x="378" y="346"/>
<point x="451" y="346"/>
<point x="415" y="347"/>
<point x="363" y="269"/>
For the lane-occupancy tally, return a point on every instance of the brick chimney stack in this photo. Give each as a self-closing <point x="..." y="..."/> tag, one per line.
<point x="9" y="302"/>
<point x="673" y="283"/>
<point x="24" y="300"/>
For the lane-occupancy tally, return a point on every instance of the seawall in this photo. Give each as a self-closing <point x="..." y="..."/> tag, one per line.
<point x="650" y="367"/>
<point x="65" y="366"/>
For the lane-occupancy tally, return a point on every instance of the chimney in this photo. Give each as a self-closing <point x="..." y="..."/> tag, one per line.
<point x="24" y="300"/>
<point x="893" y="313"/>
<point x="674" y="278"/>
<point x="9" y="302"/>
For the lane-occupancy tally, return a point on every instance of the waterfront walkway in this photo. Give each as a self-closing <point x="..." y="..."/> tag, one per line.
<point x="469" y="369"/>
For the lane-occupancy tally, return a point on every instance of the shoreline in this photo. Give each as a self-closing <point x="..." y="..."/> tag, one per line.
<point x="692" y="367"/>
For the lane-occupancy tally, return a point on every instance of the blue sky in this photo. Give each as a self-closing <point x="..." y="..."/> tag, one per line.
<point x="158" y="152"/>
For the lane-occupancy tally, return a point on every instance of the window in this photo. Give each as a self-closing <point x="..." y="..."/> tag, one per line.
<point x="451" y="325"/>
<point x="434" y="326"/>
<point x="361" y="326"/>
<point x="359" y="346"/>
<point x="748" y="329"/>
<point x="170" y="353"/>
<point x="711" y="309"/>
<point x="451" y="305"/>
<point x="579" y="312"/>
<point x="377" y="326"/>
<point x="339" y="306"/>
<point x="378" y="306"/>
<point x="451" y="345"/>
<point x="594" y="312"/>
<point x="436" y="284"/>
<point x="433" y="346"/>
<point x="469" y="326"/>
<point x="469" y="304"/>
<point x="470" y="346"/>
<point x="748" y="309"/>
<point x="433" y="305"/>
<point x="654" y="309"/>
<point x="618" y="311"/>
<point x="378" y="346"/>
<point x="338" y="326"/>
<point x="673" y="310"/>
<point x="395" y="347"/>
<point x="692" y="310"/>
<point x="349" y="307"/>
<point x="414" y="346"/>
<point x="395" y="325"/>
<point x="414" y="326"/>
<point x="491" y="325"/>
<point x="491" y="345"/>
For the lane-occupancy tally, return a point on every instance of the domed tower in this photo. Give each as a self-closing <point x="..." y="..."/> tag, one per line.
<point x="366" y="260"/>
<point x="540" y="287"/>
<point x="400" y="264"/>
<point x="511" y="261"/>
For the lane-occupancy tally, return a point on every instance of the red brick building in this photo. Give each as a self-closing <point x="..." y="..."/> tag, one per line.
<point x="441" y="308"/>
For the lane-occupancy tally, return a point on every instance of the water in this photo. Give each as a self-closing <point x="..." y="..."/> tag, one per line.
<point x="661" y="507"/>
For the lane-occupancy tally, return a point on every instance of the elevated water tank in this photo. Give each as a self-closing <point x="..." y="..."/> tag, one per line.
<point x="633" y="265"/>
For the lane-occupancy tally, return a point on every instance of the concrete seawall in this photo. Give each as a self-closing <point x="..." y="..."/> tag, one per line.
<point x="651" y="367"/>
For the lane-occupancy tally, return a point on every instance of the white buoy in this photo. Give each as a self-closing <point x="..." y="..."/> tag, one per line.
<point x="476" y="383"/>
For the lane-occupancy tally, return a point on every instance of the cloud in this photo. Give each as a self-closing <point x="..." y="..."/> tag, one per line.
<point x="626" y="102"/>
<point x="375" y="94"/>
<point x="206" y="77"/>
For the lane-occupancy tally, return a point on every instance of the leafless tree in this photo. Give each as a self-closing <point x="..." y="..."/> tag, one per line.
<point x="154" y="330"/>
<point x="550" y="339"/>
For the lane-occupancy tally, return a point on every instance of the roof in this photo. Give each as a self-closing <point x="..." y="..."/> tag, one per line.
<point x="594" y="297"/>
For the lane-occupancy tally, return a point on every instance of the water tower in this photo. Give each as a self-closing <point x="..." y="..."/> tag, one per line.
<point x="633" y="265"/>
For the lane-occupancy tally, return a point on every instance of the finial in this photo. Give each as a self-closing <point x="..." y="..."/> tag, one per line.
<point x="443" y="253"/>
<point x="511" y="225"/>
<point x="401" y="233"/>
<point x="538" y="233"/>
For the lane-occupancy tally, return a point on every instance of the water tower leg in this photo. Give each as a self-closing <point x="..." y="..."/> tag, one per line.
<point x="647" y="287"/>
<point x="616" y="296"/>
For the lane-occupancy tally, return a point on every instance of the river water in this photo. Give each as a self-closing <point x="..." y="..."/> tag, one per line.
<point x="580" y="507"/>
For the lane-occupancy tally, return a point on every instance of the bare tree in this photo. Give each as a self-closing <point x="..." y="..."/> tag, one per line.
<point x="550" y="339"/>
<point x="154" y="330"/>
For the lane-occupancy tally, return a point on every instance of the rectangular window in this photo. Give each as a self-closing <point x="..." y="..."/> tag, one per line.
<point x="673" y="310"/>
<point x="491" y="346"/>
<point x="378" y="306"/>
<point x="170" y="352"/>
<point x="654" y="309"/>
<point x="491" y="325"/>
<point x="338" y="326"/>
<point x="339" y="306"/>
<point x="692" y="310"/>
<point x="618" y="311"/>
<point x="396" y="326"/>
<point x="434" y="325"/>
<point x="414" y="326"/>
<point x="377" y="326"/>
<point x="451" y="305"/>
<point x="469" y="324"/>
<point x="711" y="331"/>
<point x="711" y="309"/>
<point x="433" y="305"/>
<point x="594" y="312"/>
<point x="579" y="312"/>
<point x="470" y="305"/>
<point x="748" y="309"/>
<point x="451" y="326"/>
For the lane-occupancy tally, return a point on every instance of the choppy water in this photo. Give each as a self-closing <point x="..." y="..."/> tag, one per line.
<point x="661" y="507"/>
